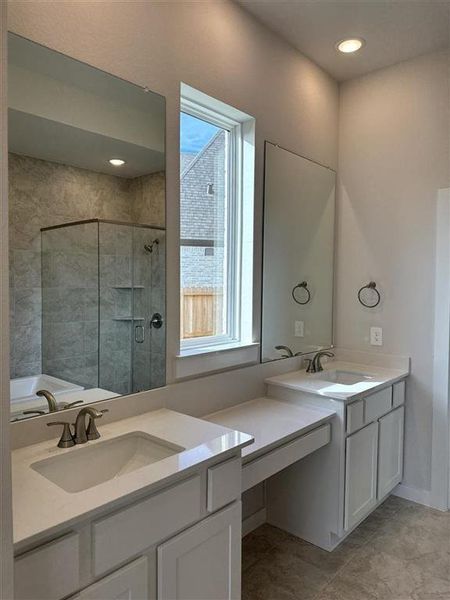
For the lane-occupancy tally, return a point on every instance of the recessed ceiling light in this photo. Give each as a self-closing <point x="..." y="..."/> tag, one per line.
<point x="350" y="45"/>
<point x="116" y="162"/>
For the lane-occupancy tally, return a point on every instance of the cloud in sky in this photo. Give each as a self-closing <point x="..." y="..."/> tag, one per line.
<point x="195" y="133"/>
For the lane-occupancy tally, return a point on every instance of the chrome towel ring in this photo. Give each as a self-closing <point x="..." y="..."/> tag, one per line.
<point x="370" y="286"/>
<point x="301" y="286"/>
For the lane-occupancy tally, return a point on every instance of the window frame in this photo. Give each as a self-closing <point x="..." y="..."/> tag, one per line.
<point x="233" y="255"/>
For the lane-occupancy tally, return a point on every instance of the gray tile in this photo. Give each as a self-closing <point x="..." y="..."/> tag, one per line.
<point x="27" y="306"/>
<point x="63" y="340"/>
<point x="280" y="575"/>
<point x="27" y="269"/>
<point x="387" y="577"/>
<point x="26" y="345"/>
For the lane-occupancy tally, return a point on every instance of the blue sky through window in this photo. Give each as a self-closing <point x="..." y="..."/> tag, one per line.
<point x="195" y="133"/>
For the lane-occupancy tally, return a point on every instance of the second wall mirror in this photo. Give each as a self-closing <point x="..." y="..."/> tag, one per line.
<point x="298" y="257"/>
<point x="87" y="232"/>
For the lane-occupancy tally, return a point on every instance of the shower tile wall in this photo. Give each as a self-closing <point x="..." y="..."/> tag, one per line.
<point x="42" y="194"/>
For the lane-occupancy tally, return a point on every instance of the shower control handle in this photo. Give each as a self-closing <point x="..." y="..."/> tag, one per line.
<point x="156" y="321"/>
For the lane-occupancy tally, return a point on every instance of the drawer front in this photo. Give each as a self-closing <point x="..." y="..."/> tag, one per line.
<point x="355" y="416"/>
<point x="377" y="404"/>
<point x="398" y="394"/>
<point x="50" y="572"/>
<point x="261" y="468"/>
<point x="224" y="483"/>
<point x="121" y="536"/>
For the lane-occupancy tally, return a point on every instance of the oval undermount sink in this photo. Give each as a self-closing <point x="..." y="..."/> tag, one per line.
<point x="81" y="468"/>
<point x="341" y="376"/>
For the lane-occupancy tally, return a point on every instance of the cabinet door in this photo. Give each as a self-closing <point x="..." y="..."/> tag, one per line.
<point x="128" y="583"/>
<point x="360" y="474"/>
<point x="203" y="562"/>
<point x="390" y="460"/>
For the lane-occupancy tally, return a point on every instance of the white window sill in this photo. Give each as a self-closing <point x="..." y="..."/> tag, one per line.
<point x="197" y="361"/>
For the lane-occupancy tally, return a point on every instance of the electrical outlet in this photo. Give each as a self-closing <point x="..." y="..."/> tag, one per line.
<point x="376" y="336"/>
<point x="299" y="329"/>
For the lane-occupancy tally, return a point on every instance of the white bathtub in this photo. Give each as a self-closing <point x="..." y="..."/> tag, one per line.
<point x="23" y="391"/>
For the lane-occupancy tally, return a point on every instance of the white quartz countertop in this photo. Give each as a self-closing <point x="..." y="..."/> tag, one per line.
<point x="375" y="377"/>
<point x="270" y="422"/>
<point x="40" y="506"/>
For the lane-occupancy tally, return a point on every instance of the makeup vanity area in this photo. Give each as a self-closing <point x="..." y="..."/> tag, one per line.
<point x="149" y="505"/>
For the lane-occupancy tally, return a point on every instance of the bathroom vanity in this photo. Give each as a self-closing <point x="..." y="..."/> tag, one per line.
<point x="324" y="497"/>
<point x="135" y="514"/>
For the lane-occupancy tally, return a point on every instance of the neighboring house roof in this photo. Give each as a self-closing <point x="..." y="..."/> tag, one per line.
<point x="202" y="207"/>
<point x="199" y="155"/>
<point x="185" y="160"/>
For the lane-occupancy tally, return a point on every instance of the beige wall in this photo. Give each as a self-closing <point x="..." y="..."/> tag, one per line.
<point x="216" y="47"/>
<point x="393" y="159"/>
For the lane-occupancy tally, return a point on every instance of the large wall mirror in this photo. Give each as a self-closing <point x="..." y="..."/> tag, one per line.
<point x="87" y="232"/>
<point x="299" y="208"/>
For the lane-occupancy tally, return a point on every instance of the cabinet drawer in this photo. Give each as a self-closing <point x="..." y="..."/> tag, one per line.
<point x="377" y="404"/>
<point x="224" y="483"/>
<point x="49" y="572"/>
<point x="124" y="534"/>
<point x="398" y="394"/>
<point x="267" y="465"/>
<point x="355" y="416"/>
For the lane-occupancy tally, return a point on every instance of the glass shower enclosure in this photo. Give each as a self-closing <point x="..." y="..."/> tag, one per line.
<point x="103" y="305"/>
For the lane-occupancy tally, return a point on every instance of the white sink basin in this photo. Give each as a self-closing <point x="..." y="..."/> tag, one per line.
<point x="84" y="467"/>
<point x="342" y="377"/>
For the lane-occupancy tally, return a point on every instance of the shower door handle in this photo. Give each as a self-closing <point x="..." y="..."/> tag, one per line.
<point x="139" y="334"/>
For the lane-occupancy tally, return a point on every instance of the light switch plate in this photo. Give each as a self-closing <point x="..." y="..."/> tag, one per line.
<point x="376" y="336"/>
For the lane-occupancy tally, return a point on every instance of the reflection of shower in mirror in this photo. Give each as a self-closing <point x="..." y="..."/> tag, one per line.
<point x="149" y="247"/>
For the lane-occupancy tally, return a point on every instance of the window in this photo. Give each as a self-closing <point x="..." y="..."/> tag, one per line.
<point x="216" y="151"/>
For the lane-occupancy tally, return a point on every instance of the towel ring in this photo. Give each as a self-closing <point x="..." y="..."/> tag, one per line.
<point x="303" y="286"/>
<point x="370" y="286"/>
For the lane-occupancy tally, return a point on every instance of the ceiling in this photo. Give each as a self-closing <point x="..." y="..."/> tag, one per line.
<point x="393" y="30"/>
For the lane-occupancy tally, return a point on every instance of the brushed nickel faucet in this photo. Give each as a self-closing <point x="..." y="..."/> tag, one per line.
<point x="81" y="433"/>
<point x="314" y="364"/>
<point x="51" y="400"/>
<point x="53" y="406"/>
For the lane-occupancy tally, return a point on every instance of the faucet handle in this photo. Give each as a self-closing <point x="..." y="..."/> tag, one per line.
<point x="66" y="440"/>
<point x="309" y="365"/>
<point x="92" y="431"/>
<point x="70" y="404"/>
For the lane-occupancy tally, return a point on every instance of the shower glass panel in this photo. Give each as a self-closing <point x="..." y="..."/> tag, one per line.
<point x="103" y="305"/>
<point x="70" y="329"/>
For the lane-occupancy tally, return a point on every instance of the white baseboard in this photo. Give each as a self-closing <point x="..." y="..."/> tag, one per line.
<point x="413" y="494"/>
<point x="254" y="521"/>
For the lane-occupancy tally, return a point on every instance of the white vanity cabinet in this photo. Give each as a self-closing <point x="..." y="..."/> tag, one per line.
<point x="360" y="474"/>
<point x="204" y="562"/>
<point x="390" y="454"/>
<point x="181" y="542"/>
<point x="323" y="497"/>
<point x="374" y="454"/>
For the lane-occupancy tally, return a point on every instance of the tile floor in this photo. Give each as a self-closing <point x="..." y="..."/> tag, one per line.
<point x="400" y="552"/>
